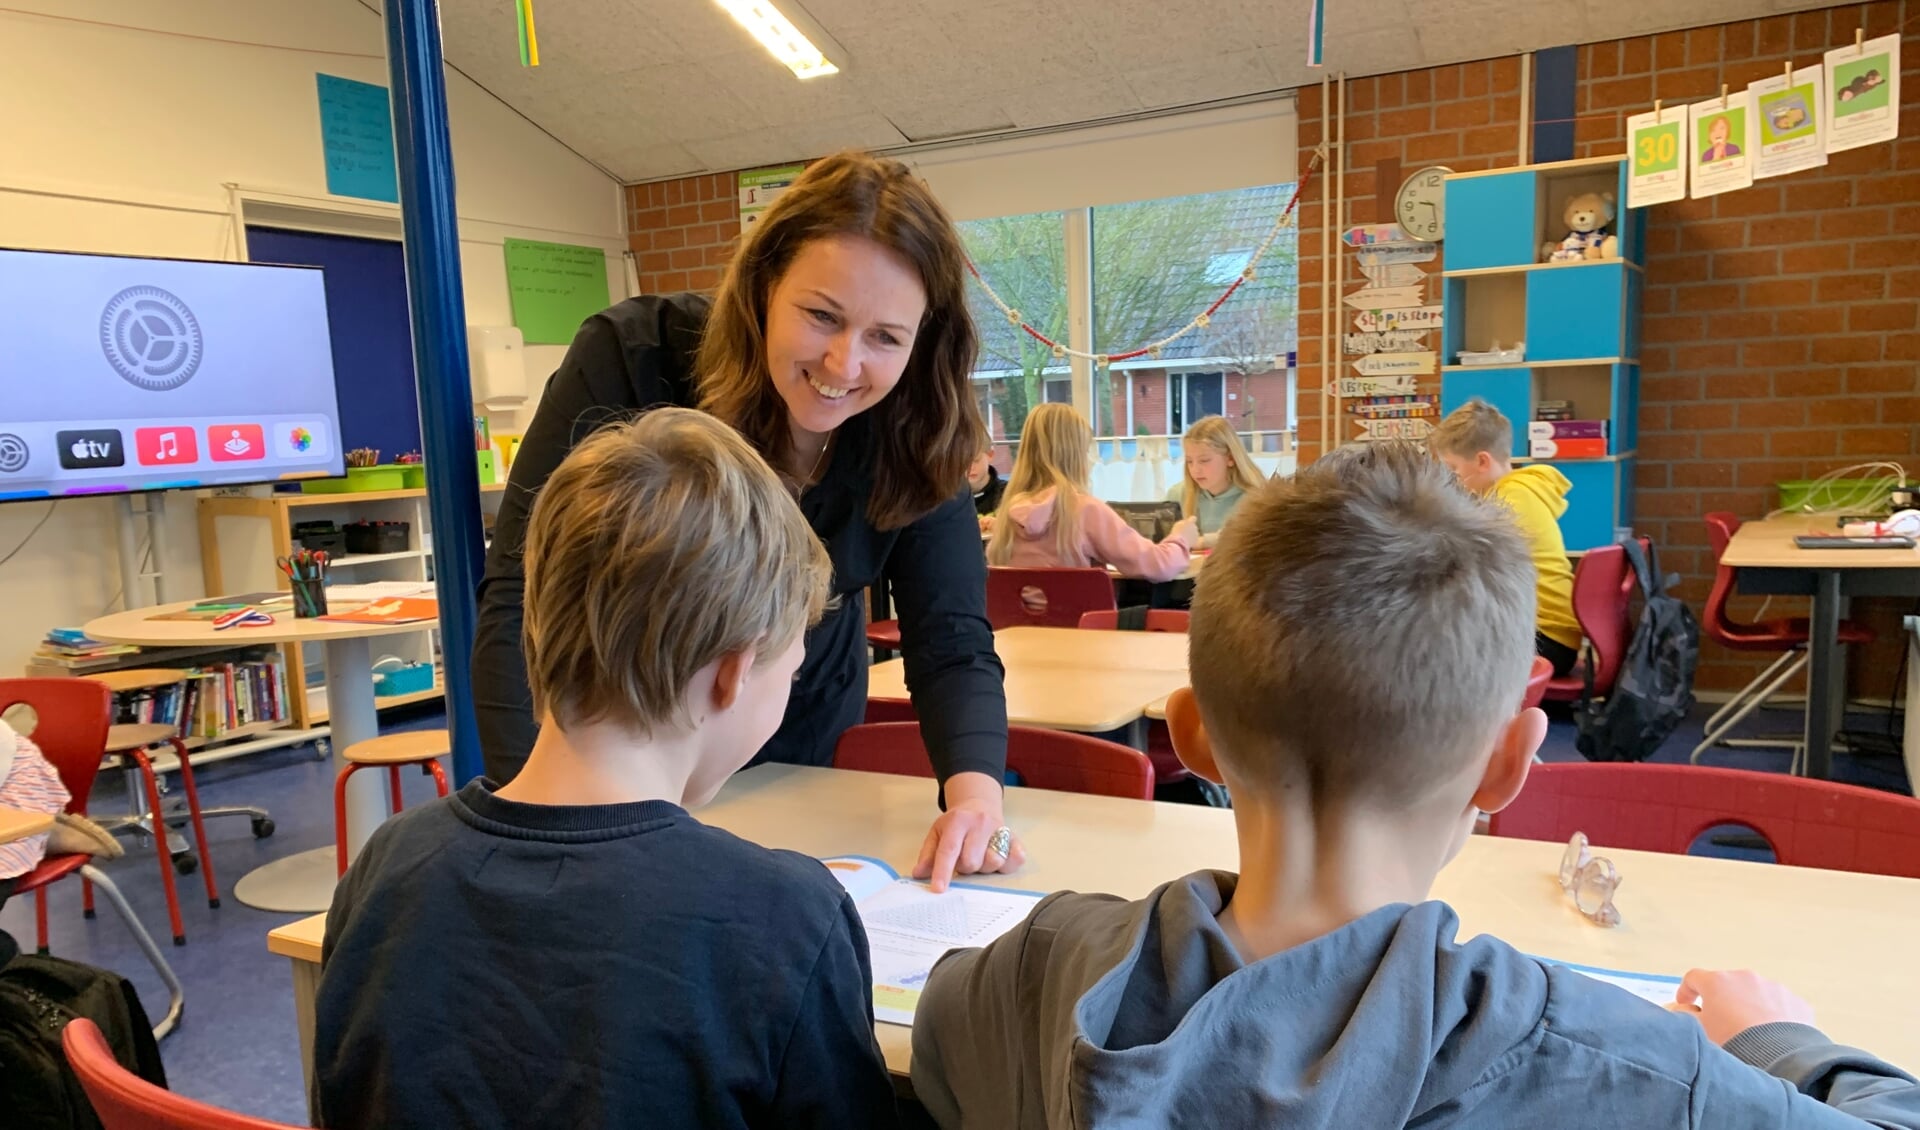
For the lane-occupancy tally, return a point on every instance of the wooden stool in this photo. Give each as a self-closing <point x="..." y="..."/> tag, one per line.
<point x="133" y="741"/>
<point x="418" y="747"/>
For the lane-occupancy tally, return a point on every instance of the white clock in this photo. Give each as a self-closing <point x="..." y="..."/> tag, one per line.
<point x="1421" y="206"/>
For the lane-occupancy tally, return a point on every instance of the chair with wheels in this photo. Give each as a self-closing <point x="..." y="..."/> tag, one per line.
<point x="69" y="724"/>
<point x="124" y="1101"/>
<point x="1665" y="808"/>
<point x="390" y="751"/>
<point x="1046" y="597"/>
<point x="1787" y="635"/>
<point x="1044" y="759"/>
<point x="1603" y="585"/>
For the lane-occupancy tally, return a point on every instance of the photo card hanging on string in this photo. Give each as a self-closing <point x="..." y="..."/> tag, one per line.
<point x="1657" y="157"/>
<point x="1863" y="93"/>
<point x="1722" y="149"/>
<point x="1788" y="122"/>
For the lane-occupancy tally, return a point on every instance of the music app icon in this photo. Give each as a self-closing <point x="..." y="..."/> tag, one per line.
<point x="169" y="447"/>
<point x="231" y="443"/>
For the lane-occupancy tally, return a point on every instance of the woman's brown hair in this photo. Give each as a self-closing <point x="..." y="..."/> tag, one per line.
<point x="928" y="429"/>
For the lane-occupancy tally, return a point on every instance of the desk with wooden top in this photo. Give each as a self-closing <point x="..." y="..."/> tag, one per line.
<point x="1679" y="912"/>
<point x="17" y="824"/>
<point x="1070" y="679"/>
<point x="1770" y="564"/>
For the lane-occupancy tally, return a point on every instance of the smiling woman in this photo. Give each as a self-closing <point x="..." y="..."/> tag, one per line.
<point x="840" y="346"/>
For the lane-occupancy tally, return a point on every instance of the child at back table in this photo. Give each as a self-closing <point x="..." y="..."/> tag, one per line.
<point x="1217" y="473"/>
<point x="1475" y="441"/>
<point x="1048" y="517"/>
<point x="573" y="949"/>
<point x="1361" y="644"/>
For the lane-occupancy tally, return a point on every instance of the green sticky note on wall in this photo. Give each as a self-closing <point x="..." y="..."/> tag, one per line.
<point x="554" y="287"/>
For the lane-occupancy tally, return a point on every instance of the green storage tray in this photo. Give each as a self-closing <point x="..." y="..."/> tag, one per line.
<point x="358" y="479"/>
<point x="1864" y="495"/>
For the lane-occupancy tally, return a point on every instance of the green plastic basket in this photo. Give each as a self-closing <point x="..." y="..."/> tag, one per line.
<point x="358" y="479"/>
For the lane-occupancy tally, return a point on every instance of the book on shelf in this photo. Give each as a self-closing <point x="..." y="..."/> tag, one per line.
<point x="215" y="698"/>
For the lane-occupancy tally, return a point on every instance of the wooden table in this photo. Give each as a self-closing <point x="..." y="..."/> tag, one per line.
<point x="1679" y="911"/>
<point x="302" y="882"/>
<point x="1069" y="679"/>
<point x="16" y="824"/>
<point x="1771" y="564"/>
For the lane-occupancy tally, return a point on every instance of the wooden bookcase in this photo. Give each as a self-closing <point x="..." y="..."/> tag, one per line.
<point x="241" y="536"/>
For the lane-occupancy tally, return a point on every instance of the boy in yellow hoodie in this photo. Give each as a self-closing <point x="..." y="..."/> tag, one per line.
<point x="1475" y="441"/>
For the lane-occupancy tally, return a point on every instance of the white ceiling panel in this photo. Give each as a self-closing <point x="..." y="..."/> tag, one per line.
<point x="659" y="88"/>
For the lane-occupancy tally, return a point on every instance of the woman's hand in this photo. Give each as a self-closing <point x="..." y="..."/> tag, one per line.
<point x="957" y="844"/>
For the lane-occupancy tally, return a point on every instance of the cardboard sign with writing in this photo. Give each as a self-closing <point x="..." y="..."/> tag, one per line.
<point x="1414" y="428"/>
<point x="1388" y="364"/>
<point x="1367" y="235"/>
<point x="1407" y="318"/>
<point x="1386" y="297"/>
<point x="1377" y="386"/>
<point x="1391" y="254"/>
<point x="1396" y="407"/>
<point x="1400" y="341"/>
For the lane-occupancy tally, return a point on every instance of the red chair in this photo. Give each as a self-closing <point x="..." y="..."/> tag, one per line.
<point x="124" y="1101"/>
<point x="1167" y="767"/>
<point x="1158" y="620"/>
<point x="1537" y="682"/>
<point x="1665" y="808"/>
<point x="1046" y="598"/>
<point x="883" y="636"/>
<point x="71" y="729"/>
<point x="1787" y="635"/>
<point x="891" y="710"/>
<point x="1603" y="586"/>
<point x="1045" y="759"/>
<point x="423" y="748"/>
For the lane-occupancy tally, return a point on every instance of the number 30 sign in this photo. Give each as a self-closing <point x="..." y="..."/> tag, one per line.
<point x="1659" y="173"/>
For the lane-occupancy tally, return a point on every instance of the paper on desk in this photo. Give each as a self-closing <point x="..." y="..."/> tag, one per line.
<point x="909" y="927"/>
<point x="1654" y="987"/>
<point x="377" y="590"/>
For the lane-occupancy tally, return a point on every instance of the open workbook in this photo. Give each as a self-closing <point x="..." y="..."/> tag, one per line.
<point x="909" y="927"/>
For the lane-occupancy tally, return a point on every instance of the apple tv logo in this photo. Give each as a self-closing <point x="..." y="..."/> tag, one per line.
<point x="91" y="448"/>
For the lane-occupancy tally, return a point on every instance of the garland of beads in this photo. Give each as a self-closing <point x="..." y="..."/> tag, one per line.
<point x="1197" y="322"/>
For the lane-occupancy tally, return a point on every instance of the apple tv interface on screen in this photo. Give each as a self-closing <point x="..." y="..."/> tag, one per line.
<point x="121" y="374"/>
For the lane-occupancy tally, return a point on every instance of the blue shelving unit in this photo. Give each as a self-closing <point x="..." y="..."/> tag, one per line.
<point x="1580" y="322"/>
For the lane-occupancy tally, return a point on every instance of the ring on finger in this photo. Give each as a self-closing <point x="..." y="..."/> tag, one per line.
<point x="1001" y="842"/>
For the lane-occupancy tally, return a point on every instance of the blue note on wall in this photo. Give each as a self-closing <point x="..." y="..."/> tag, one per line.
<point x="356" y="133"/>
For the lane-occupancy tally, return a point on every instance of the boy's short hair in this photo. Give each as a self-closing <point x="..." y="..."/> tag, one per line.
<point x="1363" y="629"/>
<point x="656" y="547"/>
<point x="1474" y="427"/>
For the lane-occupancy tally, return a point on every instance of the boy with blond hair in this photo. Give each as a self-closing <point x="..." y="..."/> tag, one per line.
<point x="573" y="949"/>
<point x="1361" y="644"/>
<point x="1475" y="441"/>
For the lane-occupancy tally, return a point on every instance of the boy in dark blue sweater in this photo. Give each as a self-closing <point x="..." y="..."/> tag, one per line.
<point x="573" y="949"/>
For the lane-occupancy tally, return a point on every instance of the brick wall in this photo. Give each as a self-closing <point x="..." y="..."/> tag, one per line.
<point x="1782" y="322"/>
<point x="682" y="231"/>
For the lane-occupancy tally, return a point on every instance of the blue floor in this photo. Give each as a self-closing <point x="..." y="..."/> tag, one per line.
<point x="236" y="1046"/>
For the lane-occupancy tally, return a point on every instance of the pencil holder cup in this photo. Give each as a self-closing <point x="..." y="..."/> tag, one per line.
<point x="309" y="599"/>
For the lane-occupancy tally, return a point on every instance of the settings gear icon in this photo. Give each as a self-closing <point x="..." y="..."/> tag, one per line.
<point x="13" y="453"/>
<point x="151" y="338"/>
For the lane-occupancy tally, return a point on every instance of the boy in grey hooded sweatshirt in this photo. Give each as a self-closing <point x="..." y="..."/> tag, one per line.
<point x="1360" y="645"/>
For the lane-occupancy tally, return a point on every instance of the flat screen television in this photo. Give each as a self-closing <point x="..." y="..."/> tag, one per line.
<point x="123" y="374"/>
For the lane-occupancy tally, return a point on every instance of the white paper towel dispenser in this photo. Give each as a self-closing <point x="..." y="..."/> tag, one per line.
<point x="497" y="358"/>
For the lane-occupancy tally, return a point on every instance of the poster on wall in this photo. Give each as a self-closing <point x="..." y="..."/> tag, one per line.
<point x="1787" y="119"/>
<point x="1658" y="171"/>
<point x="553" y="287"/>
<point x="1864" y="94"/>
<point x="1722" y="148"/>
<point x="356" y="139"/>
<point x="759" y="188"/>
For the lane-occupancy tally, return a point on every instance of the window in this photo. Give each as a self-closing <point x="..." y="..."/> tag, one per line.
<point x="1157" y="263"/>
<point x="1024" y="258"/>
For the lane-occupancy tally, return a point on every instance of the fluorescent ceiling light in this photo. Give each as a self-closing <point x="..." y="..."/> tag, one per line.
<point x="783" y="37"/>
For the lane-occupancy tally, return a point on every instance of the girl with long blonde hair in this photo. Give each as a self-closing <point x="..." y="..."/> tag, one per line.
<point x="1048" y="517"/>
<point x="1218" y="474"/>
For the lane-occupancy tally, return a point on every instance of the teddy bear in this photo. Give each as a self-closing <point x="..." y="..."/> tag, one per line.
<point x="1587" y="216"/>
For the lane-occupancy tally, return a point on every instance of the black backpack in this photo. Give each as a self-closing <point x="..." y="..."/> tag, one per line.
<point x="38" y="996"/>
<point x="1654" y="689"/>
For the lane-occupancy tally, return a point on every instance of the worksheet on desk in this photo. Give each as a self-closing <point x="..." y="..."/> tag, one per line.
<point x="1655" y="987"/>
<point x="909" y="927"/>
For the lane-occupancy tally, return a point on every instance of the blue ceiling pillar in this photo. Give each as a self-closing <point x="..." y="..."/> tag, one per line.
<point x="424" y="155"/>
